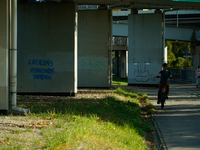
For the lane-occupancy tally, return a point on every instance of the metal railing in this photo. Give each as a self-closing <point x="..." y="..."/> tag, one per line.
<point x="87" y="7"/>
<point x="188" y="75"/>
<point x="120" y="41"/>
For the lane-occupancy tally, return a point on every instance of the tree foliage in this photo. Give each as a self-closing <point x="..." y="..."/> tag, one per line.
<point x="176" y="51"/>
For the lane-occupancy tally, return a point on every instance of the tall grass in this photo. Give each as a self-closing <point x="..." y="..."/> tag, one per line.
<point x="109" y="123"/>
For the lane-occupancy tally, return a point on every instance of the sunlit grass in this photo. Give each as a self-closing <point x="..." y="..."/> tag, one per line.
<point x="109" y="123"/>
<point x="117" y="81"/>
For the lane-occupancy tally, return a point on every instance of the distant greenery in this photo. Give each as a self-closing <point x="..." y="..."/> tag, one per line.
<point x="118" y="81"/>
<point x="176" y="50"/>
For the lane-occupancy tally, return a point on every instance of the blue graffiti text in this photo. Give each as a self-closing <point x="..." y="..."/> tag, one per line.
<point x="42" y="70"/>
<point x="42" y="77"/>
<point x="40" y="62"/>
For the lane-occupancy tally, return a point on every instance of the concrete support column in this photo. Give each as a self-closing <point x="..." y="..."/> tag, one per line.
<point x="120" y="64"/>
<point x="196" y="57"/>
<point x="116" y="65"/>
<point x="123" y="64"/>
<point x="94" y="54"/>
<point x="126" y="63"/>
<point x="47" y="48"/>
<point x="4" y="27"/>
<point x="146" y="50"/>
<point x="165" y="52"/>
<point x="195" y="61"/>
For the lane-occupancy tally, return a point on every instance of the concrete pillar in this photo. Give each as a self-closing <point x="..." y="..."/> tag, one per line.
<point x="165" y="52"/>
<point x="47" y="48"/>
<point x="195" y="61"/>
<point x="126" y="63"/>
<point x="196" y="57"/>
<point x="146" y="50"/>
<point x="123" y="64"/>
<point x="4" y="86"/>
<point x="94" y="54"/>
<point x="116" y="64"/>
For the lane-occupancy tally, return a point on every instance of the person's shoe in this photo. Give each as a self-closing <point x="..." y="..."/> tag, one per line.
<point x="166" y="97"/>
<point x="158" y="102"/>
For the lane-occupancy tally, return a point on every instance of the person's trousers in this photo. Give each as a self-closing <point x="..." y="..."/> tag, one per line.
<point x="160" y="89"/>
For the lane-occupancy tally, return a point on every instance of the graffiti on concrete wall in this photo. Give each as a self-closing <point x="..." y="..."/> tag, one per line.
<point x="93" y="64"/>
<point x="142" y="73"/>
<point x="41" y="69"/>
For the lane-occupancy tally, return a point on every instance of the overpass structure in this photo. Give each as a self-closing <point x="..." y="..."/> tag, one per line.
<point x="42" y="43"/>
<point x="180" y="25"/>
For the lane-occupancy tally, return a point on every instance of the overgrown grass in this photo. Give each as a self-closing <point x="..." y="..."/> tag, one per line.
<point x="130" y="94"/>
<point x="149" y="106"/>
<point x="117" y="81"/>
<point x="109" y="123"/>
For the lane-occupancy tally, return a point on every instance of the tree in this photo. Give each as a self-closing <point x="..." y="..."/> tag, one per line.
<point x="170" y="55"/>
<point x="176" y="51"/>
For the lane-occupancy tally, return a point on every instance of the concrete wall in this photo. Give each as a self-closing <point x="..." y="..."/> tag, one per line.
<point x="146" y="52"/>
<point x="47" y="48"/>
<point x="4" y="87"/>
<point x="120" y="29"/>
<point x="181" y="34"/>
<point x="93" y="48"/>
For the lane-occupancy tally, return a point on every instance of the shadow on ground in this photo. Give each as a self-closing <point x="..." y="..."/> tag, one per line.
<point x="108" y="109"/>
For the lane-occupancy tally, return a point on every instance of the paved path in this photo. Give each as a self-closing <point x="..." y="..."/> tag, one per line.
<point x="179" y="121"/>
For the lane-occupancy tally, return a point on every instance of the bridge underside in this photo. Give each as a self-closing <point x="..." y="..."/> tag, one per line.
<point x="137" y="4"/>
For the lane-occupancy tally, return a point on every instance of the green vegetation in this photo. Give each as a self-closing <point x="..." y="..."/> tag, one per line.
<point x="128" y="94"/>
<point x="117" y="81"/>
<point x="113" y="122"/>
<point x="176" y="50"/>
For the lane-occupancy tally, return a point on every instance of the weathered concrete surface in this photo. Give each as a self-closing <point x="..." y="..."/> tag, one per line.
<point x="145" y="48"/>
<point x="4" y="55"/>
<point x="47" y="48"/>
<point x="179" y="121"/>
<point x="94" y="31"/>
